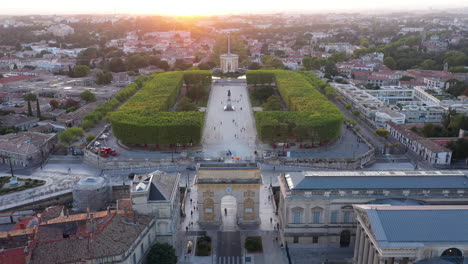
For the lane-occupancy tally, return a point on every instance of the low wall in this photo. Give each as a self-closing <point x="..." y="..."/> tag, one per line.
<point x="95" y="160"/>
<point x="62" y="198"/>
<point x="358" y="162"/>
<point x="40" y="204"/>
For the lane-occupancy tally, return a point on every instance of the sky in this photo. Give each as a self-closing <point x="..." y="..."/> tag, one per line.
<point x="214" y="7"/>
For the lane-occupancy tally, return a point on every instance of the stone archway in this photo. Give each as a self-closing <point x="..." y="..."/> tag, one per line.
<point x="229" y="212"/>
<point x="345" y="238"/>
<point x="453" y="255"/>
<point x="216" y="182"/>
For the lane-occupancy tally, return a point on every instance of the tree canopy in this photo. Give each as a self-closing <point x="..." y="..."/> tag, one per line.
<point x="88" y="96"/>
<point x="81" y="71"/>
<point x="162" y="254"/>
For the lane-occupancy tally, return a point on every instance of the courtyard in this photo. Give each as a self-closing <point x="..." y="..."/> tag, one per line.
<point x="232" y="131"/>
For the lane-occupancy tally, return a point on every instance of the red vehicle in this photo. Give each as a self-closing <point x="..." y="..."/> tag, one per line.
<point x="105" y="152"/>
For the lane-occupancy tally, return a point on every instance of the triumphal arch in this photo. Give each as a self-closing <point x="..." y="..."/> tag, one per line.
<point x="239" y="180"/>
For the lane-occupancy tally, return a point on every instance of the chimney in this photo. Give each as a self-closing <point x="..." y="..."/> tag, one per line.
<point x="108" y="210"/>
<point x="67" y="213"/>
<point x="87" y="212"/>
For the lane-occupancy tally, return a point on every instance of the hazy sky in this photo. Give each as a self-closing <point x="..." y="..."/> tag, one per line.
<point x="208" y="7"/>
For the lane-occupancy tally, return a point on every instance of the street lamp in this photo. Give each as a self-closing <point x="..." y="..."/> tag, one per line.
<point x="172" y="155"/>
<point x="11" y="167"/>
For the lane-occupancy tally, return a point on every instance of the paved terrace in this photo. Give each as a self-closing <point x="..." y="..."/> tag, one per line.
<point x="234" y="130"/>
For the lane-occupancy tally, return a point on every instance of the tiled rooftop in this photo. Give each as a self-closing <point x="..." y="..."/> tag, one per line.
<point x="23" y="142"/>
<point x="113" y="236"/>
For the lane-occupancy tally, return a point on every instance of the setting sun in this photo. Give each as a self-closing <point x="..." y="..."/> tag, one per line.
<point x="211" y="7"/>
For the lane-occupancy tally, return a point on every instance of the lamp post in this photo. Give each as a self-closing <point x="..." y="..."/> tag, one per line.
<point x="11" y="167"/>
<point x="172" y="152"/>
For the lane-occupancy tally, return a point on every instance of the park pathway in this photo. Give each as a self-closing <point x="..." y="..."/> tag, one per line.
<point x="232" y="131"/>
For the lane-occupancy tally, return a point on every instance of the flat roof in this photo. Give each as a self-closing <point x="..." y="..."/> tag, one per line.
<point x="324" y="180"/>
<point x="417" y="226"/>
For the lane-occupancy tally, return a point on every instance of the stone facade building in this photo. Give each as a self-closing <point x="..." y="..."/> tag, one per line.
<point x="411" y="234"/>
<point x="424" y="147"/>
<point x="241" y="181"/>
<point x="316" y="208"/>
<point x="157" y="194"/>
<point x="229" y="62"/>
<point x="26" y="148"/>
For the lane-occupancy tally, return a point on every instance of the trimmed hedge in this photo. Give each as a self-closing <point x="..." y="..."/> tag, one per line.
<point x="92" y="118"/>
<point x="144" y="118"/>
<point x="197" y="78"/>
<point x="311" y="117"/>
<point x="329" y="90"/>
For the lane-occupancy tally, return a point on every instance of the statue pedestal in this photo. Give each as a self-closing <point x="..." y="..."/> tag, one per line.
<point x="229" y="106"/>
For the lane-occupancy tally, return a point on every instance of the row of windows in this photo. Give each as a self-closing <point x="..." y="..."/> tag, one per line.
<point x="316" y="217"/>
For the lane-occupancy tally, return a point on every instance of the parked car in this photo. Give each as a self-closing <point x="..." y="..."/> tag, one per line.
<point x="191" y="167"/>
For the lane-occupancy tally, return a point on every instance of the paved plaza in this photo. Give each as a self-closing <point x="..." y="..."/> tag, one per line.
<point x="228" y="239"/>
<point x="229" y="130"/>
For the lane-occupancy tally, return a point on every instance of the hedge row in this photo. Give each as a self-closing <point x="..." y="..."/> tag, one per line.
<point x="197" y="78"/>
<point x="92" y="118"/>
<point x="157" y="94"/>
<point x="329" y="90"/>
<point x="311" y="117"/>
<point x="144" y="118"/>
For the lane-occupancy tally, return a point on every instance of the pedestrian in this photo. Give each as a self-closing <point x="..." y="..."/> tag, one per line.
<point x="268" y="197"/>
<point x="194" y="208"/>
<point x="241" y="108"/>
<point x="190" y="200"/>
<point x="271" y="220"/>
<point x="191" y="213"/>
<point x="186" y="229"/>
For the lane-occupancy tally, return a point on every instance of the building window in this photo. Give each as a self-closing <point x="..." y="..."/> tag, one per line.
<point x="315" y="239"/>
<point x="334" y="217"/>
<point x="297" y="217"/>
<point x="316" y="215"/>
<point x="347" y="217"/>
<point x="295" y="239"/>
<point x="134" y="258"/>
<point x="142" y="251"/>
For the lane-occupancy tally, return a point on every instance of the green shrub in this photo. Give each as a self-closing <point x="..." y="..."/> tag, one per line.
<point x="144" y="119"/>
<point x="203" y="246"/>
<point x="91" y="119"/>
<point x="311" y="117"/>
<point x="382" y="132"/>
<point x="253" y="244"/>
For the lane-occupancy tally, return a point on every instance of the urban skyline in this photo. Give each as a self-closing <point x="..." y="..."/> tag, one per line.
<point x="211" y="7"/>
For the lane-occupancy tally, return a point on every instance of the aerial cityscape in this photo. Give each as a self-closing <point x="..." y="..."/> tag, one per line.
<point x="234" y="133"/>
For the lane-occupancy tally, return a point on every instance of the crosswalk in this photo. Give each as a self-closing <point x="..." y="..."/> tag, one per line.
<point x="230" y="260"/>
